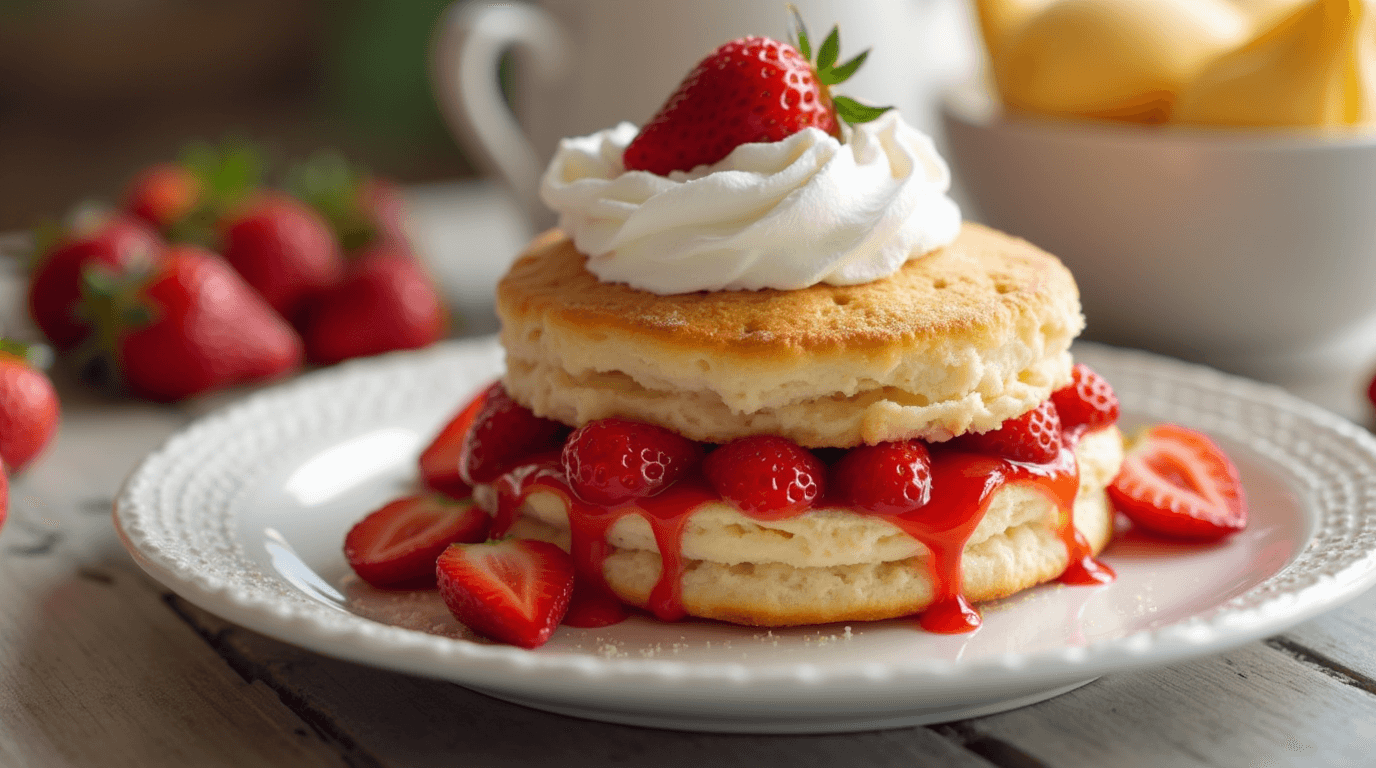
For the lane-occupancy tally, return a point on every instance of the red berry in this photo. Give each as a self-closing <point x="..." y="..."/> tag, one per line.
<point x="439" y="462"/>
<point x="1178" y="482"/>
<point x="163" y="194"/>
<point x="612" y="461"/>
<point x="117" y="243"/>
<point x="888" y="478"/>
<point x="749" y="90"/>
<point x="504" y="433"/>
<point x="1087" y="401"/>
<point x="189" y="326"/>
<point x="1034" y="437"/>
<point x="385" y="302"/>
<point x="29" y="410"/>
<point x="515" y="590"/>
<point x="766" y="474"/>
<point x="285" y="250"/>
<point x="398" y="544"/>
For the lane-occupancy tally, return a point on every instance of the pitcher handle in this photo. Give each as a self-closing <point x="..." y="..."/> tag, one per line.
<point x="469" y="43"/>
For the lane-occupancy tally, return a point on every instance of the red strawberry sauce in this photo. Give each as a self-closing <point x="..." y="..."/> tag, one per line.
<point x="962" y="485"/>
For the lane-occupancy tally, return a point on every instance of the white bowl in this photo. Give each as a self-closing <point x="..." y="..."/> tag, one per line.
<point x="1253" y="251"/>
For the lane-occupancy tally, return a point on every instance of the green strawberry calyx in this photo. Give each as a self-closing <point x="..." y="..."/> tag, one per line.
<point x="829" y="73"/>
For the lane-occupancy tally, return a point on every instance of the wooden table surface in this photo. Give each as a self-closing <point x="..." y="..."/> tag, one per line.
<point x="101" y="665"/>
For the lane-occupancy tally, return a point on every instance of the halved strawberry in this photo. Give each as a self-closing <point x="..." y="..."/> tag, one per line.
<point x="504" y="432"/>
<point x="1178" y="482"/>
<point x="397" y="545"/>
<point x="514" y="590"/>
<point x="611" y="461"/>
<point x="1088" y="401"/>
<point x="1034" y="437"/>
<point x="439" y="462"/>
<point x="749" y="90"/>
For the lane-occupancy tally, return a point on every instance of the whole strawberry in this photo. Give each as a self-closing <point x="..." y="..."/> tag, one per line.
<point x="766" y="474"/>
<point x="385" y="302"/>
<point x="1034" y="437"/>
<point x="188" y="325"/>
<point x="749" y="90"/>
<point x="29" y="409"/>
<point x="163" y="195"/>
<point x="613" y="461"/>
<point x="4" y="494"/>
<point x="364" y="210"/>
<point x="114" y="242"/>
<point x="887" y="478"/>
<point x="185" y="199"/>
<point x="285" y="250"/>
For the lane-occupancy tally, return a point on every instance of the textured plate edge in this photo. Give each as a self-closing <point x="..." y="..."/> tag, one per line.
<point x="1227" y="628"/>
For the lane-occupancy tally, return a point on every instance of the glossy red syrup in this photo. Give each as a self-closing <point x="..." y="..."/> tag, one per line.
<point x="963" y="484"/>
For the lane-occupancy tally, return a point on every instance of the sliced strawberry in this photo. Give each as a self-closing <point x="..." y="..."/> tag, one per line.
<point x="1178" y="482"/>
<point x="888" y="478"/>
<point x="1088" y="401"/>
<point x="766" y="474"/>
<point x="1034" y="437"/>
<point x="514" y="590"/>
<point x="504" y="432"/>
<point x="398" y="544"/>
<point x="749" y="90"/>
<point x="439" y="462"/>
<point x="612" y="461"/>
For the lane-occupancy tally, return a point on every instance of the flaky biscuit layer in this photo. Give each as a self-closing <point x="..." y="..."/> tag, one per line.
<point x="957" y="341"/>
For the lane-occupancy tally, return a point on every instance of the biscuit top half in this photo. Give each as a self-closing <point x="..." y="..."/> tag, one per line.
<point x="956" y="341"/>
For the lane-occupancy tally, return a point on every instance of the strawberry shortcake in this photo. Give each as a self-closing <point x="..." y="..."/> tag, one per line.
<point x="763" y="373"/>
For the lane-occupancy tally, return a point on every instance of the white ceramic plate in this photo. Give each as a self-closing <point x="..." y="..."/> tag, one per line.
<point x="244" y="514"/>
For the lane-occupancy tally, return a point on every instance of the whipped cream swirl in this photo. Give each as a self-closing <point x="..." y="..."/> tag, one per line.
<point x="786" y="215"/>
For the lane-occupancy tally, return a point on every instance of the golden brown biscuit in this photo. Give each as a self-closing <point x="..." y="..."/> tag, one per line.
<point x="956" y="341"/>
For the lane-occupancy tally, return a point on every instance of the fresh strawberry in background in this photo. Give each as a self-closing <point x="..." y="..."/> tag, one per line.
<point x="4" y="494"/>
<point x="184" y="200"/>
<point x="29" y="410"/>
<point x="439" y="462"/>
<point x="397" y="545"/>
<point x="284" y="249"/>
<point x="385" y="302"/>
<point x="1178" y="483"/>
<point x="188" y="325"/>
<point x="514" y="590"/>
<point x="363" y="210"/>
<point x="749" y="90"/>
<point x="112" y="241"/>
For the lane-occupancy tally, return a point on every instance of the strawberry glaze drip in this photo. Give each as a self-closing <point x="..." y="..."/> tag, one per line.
<point x="963" y="484"/>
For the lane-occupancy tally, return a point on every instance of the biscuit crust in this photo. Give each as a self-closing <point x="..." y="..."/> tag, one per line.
<point x="957" y="340"/>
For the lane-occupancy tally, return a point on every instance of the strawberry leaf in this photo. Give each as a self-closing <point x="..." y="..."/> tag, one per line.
<point x="854" y="112"/>
<point x="831" y="48"/>
<point x="842" y="73"/>
<point x="798" y="32"/>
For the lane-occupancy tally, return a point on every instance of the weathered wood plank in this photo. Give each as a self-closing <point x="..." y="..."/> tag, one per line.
<point x="1253" y="706"/>
<point x="1342" y="640"/>
<point x="95" y="669"/>
<point x="403" y="720"/>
